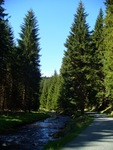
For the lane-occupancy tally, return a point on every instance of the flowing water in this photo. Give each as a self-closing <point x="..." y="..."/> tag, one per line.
<point x="34" y="136"/>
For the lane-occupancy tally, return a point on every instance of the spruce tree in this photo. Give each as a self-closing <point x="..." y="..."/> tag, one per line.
<point x="6" y="46"/>
<point x="29" y="60"/>
<point x="108" y="53"/>
<point x="56" y="93"/>
<point x="98" y="90"/>
<point x="44" y="94"/>
<point x="76" y="67"/>
<point x="11" y="87"/>
<point x="51" y="90"/>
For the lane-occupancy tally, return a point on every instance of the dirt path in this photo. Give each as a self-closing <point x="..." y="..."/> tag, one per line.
<point x="98" y="136"/>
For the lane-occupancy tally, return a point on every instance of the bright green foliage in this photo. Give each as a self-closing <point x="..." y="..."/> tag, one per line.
<point x="29" y="62"/>
<point x="76" y="67"/>
<point x="51" y="92"/>
<point x="97" y="65"/>
<point x="43" y="79"/>
<point x="108" y="53"/>
<point x="56" y="94"/>
<point x="44" y="94"/>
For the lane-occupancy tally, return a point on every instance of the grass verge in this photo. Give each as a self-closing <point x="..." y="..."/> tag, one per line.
<point x="70" y="132"/>
<point x="12" y="121"/>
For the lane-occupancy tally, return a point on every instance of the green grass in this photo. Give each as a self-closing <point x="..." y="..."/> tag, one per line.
<point x="12" y="121"/>
<point x="70" y="132"/>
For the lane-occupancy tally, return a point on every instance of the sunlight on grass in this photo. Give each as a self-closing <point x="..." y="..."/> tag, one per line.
<point x="12" y="121"/>
<point x="17" y="120"/>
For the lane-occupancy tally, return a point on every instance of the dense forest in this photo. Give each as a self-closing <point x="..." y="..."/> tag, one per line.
<point x="19" y="65"/>
<point x="86" y="74"/>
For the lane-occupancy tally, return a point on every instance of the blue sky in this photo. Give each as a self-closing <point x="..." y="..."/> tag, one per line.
<point x="55" y="18"/>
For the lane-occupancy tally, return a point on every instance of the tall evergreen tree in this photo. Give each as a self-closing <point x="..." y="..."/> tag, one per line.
<point x="56" y="93"/>
<point x="44" y="94"/>
<point x="11" y="70"/>
<point x="98" y="89"/>
<point x="6" y="46"/>
<point x="108" y="53"/>
<point x="76" y="67"/>
<point x="3" y="52"/>
<point x="29" y="57"/>
<point x="51" y="91"/>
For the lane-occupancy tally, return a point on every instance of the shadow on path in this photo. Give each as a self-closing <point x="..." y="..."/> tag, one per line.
<point x="98" y="136"/>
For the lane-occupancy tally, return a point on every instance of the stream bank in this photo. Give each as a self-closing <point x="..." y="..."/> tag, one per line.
<point x="34" y="136"/>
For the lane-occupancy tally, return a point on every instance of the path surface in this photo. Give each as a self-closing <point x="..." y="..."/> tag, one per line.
<point x="98" y="136"/>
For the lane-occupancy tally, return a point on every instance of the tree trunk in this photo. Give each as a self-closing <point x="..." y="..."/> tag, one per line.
<point x="82" y="107"/>
<point x="24" y="98"/>
<point x="2" y="96"/>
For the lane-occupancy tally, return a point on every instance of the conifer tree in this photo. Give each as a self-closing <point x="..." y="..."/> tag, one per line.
<point x="29" y="61"/>
<point x="11" y="85"/>
<point x="56" y="93"/>
<point x="98" y="90"/>
<point x="6" y="46"/>
<point x="51" y="90"/>
<point x="76" y="67"/>
<point x="44" y="94"/>
<point x="108" y="53"/>
<point x="3" y="51"/>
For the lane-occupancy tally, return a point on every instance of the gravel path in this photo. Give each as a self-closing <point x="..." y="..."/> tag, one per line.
<point x="98" y="136"/>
